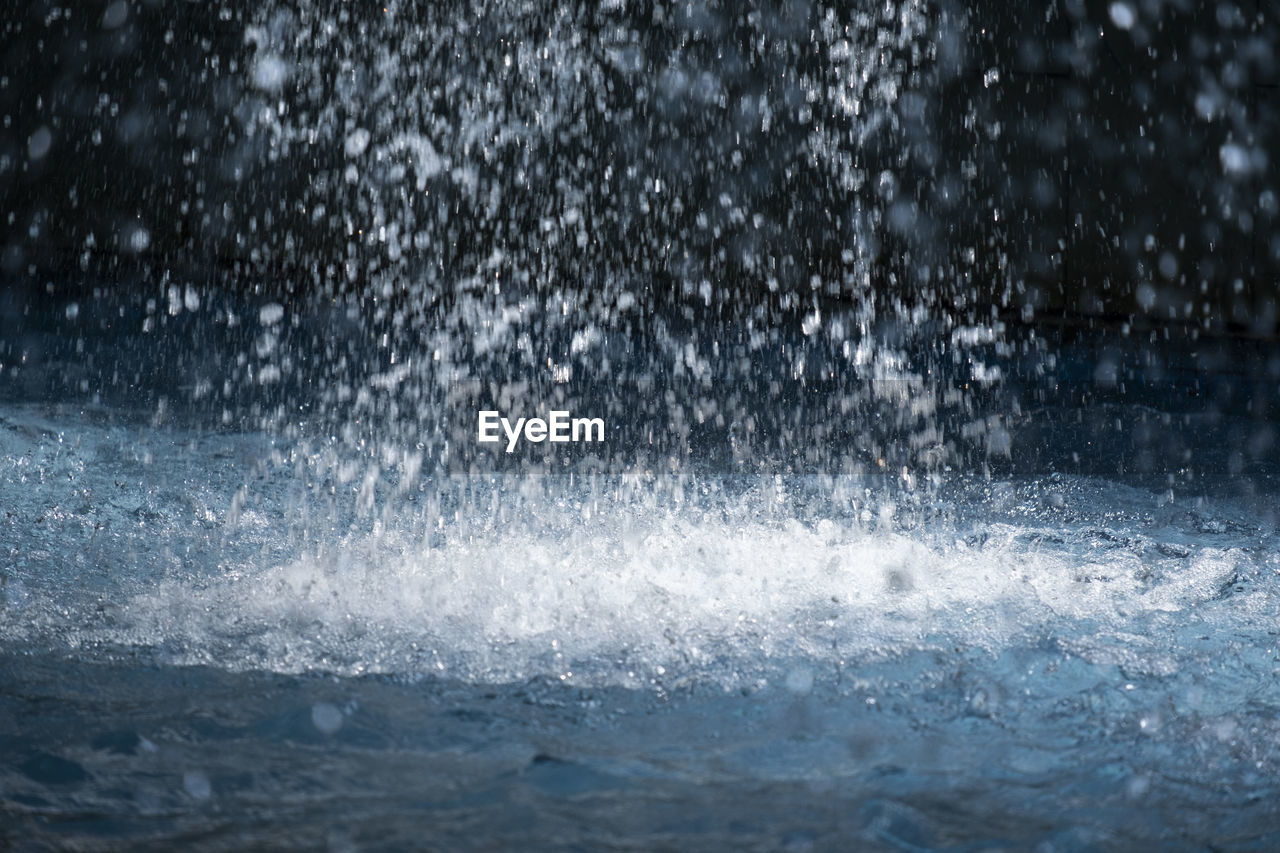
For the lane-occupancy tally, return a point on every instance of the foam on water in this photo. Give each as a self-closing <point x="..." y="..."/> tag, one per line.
<point x="718" y="579"/>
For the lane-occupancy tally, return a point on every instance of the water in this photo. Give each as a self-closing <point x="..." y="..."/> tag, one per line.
<point x="936" y="500"/>
<point x="201" y="649"/>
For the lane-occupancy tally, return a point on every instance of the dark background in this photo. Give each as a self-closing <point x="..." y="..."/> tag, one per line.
<point x="1105" y="195"/>
<point x="130" y="129"/>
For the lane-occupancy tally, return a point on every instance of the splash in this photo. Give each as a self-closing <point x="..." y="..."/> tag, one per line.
<point x="674" y="218"/>
<point x="636" y="581"/>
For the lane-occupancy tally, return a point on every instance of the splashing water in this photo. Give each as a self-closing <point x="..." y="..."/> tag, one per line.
<point x="1054" y="619"/>
<point x="822" y="579"/>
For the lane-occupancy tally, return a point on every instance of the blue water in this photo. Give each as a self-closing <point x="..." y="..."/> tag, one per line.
<point x="202" y="645"/>
<point x="939" y="498"/>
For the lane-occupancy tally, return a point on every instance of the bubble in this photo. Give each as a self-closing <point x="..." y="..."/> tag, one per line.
<point x="326" y="718"/>
<point x="983" y="702"/>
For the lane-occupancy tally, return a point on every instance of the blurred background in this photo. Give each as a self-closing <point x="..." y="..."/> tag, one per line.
<point x="1089" y="188"/>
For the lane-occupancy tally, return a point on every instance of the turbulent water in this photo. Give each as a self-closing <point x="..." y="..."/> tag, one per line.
<point x="935" y="346"/>
<point x="196" y="631"/>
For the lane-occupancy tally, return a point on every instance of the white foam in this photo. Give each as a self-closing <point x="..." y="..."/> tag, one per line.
<point x="615" y="581"/>
<point x="621" y="592"/>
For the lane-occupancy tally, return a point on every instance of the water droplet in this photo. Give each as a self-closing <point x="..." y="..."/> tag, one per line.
<point x="357" y="142"/>
<point x="115" y="15"/>
<point x="326" y="718"/>
<point x="1122" y="15"/>
<point x="271" y="313"/>
<point x="39" y="144"/>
